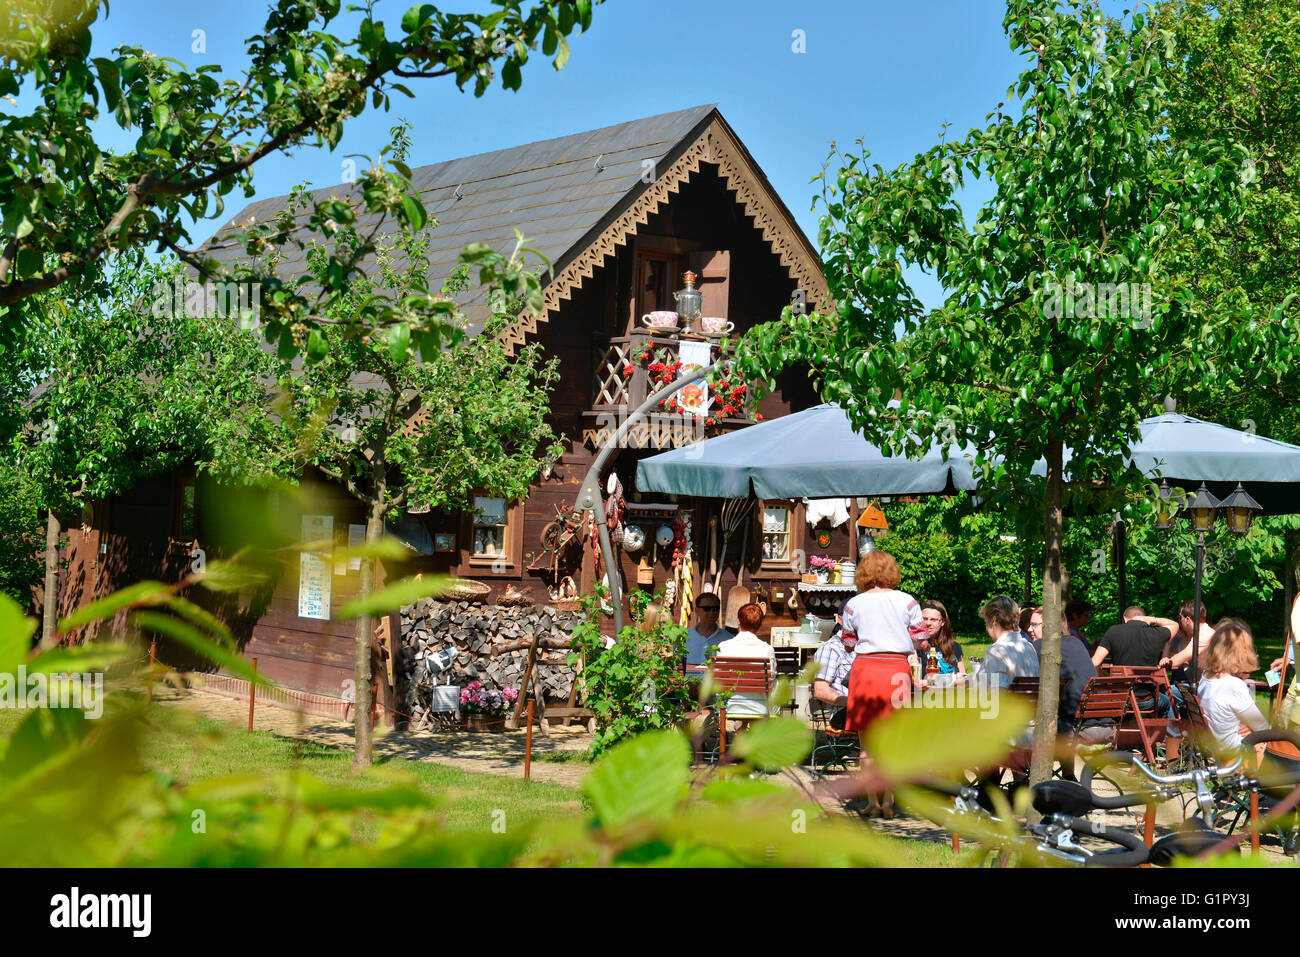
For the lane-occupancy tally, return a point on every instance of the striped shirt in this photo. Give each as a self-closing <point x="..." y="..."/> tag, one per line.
<point x="834" y="662"/>
<point x="1008" y="658"/>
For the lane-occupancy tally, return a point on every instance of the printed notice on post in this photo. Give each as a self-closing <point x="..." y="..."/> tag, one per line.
<point x="314" y="572"/>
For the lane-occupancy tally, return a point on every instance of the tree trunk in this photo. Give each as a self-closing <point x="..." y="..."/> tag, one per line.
<point x="1050" y="650"/>
<point x="50" y="613"/>
<point x="362" y="672"/>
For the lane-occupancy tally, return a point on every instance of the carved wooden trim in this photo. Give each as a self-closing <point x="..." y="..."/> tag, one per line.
<point x="715" y="145"/>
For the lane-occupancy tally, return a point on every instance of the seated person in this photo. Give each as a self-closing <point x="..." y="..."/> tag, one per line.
<point x="941" y="639"/>
<point x="746" y="644"/>
<point x="1010" y="656"/>
<point x="1226" y="699"/>
<point x="1179" y="652"/>
<point x="705" y="633"/>
<point x="1143" y="641"/>
<point x="834" y="662"/>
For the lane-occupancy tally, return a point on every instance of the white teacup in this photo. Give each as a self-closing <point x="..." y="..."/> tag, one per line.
<point x="715" y="326"/>
<point x="660" y="320"/>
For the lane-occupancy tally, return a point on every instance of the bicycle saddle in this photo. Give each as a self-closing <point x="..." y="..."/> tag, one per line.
<point x="1182" y="844"/>
<point x="1062" y="797"/>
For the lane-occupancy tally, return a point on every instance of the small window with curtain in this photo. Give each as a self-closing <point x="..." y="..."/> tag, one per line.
<point x="488" y="533"/>
<point x="776" y="534"/>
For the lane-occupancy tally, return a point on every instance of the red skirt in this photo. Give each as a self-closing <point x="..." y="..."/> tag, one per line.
<point x="878" y="683"/>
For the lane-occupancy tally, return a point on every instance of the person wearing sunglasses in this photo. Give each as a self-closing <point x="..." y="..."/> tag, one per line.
<point x="705" y="633"/>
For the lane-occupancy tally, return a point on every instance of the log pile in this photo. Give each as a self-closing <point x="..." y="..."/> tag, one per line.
<point x="490" y="644"/>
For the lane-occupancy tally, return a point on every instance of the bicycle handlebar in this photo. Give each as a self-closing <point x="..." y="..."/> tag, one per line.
<point x="1134" y="851"/>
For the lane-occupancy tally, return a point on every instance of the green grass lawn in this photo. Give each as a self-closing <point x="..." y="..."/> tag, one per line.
<point x="470" y="797"/>
<point x="200" y="749"/>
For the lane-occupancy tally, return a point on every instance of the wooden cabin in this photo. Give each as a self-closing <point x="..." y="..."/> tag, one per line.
<point x="622" y="213"/>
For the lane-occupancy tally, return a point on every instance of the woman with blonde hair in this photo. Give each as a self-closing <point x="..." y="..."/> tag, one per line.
<point x="1226" y="699"/>
<point x="885" y="622"/>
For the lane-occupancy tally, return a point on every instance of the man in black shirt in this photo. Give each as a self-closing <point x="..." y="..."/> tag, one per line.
<point x="1140" y="641"/>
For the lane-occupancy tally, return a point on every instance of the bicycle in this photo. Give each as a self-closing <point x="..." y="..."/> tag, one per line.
<point x="1051" y="839"/>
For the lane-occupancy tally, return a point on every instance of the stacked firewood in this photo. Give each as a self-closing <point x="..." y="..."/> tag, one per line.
<point x="490" y="644"/>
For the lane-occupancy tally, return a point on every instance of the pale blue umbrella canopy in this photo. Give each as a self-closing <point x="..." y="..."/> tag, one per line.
<point x="1186" y="451"/>
<point x="810" y="454"/>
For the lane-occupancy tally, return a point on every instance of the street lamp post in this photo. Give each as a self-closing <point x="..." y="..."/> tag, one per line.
<point x="1239" y="511"/>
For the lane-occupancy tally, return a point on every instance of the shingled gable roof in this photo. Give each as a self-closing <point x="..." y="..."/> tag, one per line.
<point x="575" y="198"/>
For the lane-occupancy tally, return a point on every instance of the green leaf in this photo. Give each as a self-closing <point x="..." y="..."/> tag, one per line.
<point x="143" y="593"/>
<point x="641" y="779"/>
<point x="16" y="631"/>
<point x="944" y="741"/>
<point x="397" y="595"/>
<point x="399" y="341"/>
<point x="80" y="658"/>
<point x="415" y="212"/>
<point x="774" y="743"/>
<point x="224" y="576"/>
<point x="562" y="56"/>
<point x="192" y="638"/>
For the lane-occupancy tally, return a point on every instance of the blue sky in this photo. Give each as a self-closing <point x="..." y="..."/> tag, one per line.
<point x="889" y="73"/>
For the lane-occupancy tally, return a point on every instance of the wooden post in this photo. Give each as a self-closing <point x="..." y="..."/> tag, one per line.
<point x="956" y="842"/>
<point x="252" y="696"/>
<point x="1254" y="822"/>
<point x="528" y="741"/>
<point x="525" y="684"/>
<point x="153" y="659"/>
<point x="374" y="691"/>
<point x="722" y="734"/>
<point x="1149" y="828"/>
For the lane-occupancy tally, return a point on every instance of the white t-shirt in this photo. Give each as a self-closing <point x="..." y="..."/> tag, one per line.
<point x="1228" y="704"/>
<point x="884" y="621"/>
<point x="746" y="704"/>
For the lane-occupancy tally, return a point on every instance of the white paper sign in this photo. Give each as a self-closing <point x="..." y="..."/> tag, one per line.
<point x="356" y="538"/>
<point x="314" y="572"/>
<point x="694" y="398"/>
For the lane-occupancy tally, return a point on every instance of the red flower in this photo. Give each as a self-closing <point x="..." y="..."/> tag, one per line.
<point x="727" y="410"/>
<point x="742" y="389"/>
<point x="627" y="371"/>
<point x="709" y="420"/>
<point x="758" y="416"/>
<point x="656" y="367"/>
<point x="722" y="385"/>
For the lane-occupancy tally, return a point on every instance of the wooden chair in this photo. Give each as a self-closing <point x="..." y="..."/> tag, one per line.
<point x="739" y="676"/>
<point x="1105" y="699"/>
<point x="787" y="666"/>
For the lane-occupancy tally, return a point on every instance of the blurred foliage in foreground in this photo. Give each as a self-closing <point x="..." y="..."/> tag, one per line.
<point x="80" y="792"/>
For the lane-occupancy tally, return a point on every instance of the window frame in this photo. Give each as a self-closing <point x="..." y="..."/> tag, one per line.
<point x="480" y="566"/>
<point x="773" y="568"/>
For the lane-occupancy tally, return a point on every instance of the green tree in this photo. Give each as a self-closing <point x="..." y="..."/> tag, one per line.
<point x="130" y="387"/>
<point x="68" y="202"/>
<point x="400" y="431"/>
<point x="1022" y="359"/>
<point x="1238" y="77"/>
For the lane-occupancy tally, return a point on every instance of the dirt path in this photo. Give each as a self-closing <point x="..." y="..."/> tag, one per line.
<point x="500" y="752"/>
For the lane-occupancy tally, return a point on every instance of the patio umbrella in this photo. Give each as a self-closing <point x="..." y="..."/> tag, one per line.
<point x="1187" y="451"/>
<point x="810" y="454"/>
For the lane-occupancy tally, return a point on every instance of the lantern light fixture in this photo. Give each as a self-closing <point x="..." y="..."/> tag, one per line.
<point x="1203" y="510"/>
<point x="1240" y="510"/>
<point x="1168" y="508"/>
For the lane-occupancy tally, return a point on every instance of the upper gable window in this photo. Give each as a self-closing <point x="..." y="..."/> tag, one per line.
<point x="655" y="270"/>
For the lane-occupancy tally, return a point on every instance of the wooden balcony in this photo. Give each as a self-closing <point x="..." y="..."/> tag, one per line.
<point x="615" y="395"/>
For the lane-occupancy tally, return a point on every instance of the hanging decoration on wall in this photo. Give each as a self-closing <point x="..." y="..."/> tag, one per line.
<point x="824" y="538"/>
<point x="615" y="508"/>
